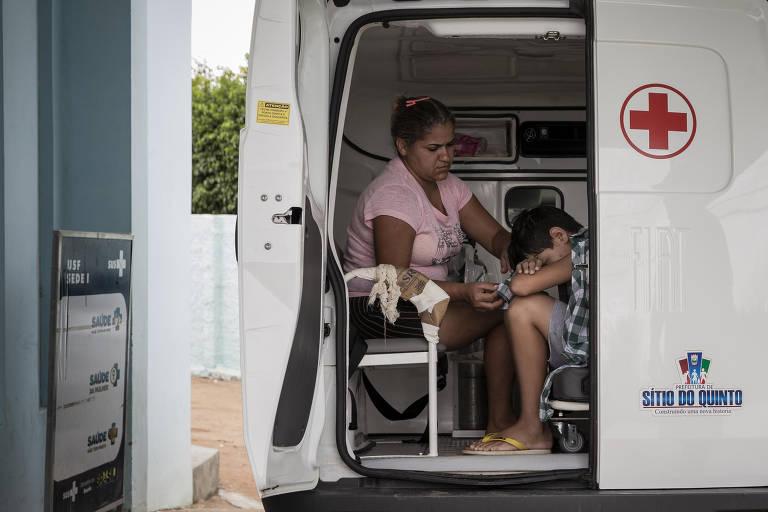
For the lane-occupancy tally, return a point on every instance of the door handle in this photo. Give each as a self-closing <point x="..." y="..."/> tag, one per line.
<point x="292" y="216"/>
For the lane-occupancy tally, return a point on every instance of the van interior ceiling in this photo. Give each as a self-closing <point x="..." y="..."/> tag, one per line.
<point x="519" y="86"/>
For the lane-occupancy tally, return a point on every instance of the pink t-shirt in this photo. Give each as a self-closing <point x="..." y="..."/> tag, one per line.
<point x="396" y="193"/>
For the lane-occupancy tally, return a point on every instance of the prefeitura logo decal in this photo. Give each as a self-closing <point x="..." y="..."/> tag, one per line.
<point x="695" y="394"/>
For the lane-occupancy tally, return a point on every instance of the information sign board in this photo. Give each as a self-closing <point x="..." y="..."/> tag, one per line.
<point x="87" y="371"/>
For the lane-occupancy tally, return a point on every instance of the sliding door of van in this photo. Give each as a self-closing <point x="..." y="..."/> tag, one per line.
<point x="281" y="234"/>
<point x="681" y="180"/>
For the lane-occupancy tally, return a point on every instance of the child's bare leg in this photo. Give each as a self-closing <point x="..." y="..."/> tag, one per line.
<point x="527" y="322"/>
<point x="499" y="378"/>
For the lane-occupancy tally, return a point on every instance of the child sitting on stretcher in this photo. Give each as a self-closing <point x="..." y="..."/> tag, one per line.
<point x="535" y="322"/>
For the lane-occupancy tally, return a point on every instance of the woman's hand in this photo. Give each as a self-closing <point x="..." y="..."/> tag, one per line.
<point x="482" y="296"/>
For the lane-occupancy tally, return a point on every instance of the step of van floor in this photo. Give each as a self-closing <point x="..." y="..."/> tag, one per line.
<point x="393" y="452"/>
<point x="365" y="494"/>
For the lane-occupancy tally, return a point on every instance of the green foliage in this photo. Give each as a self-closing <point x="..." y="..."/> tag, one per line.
<point x="218" y="115"/>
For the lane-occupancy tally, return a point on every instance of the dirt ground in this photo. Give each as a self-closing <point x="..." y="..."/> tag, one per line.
<point x="217" y="422"/>
<point x="213" y="504"/>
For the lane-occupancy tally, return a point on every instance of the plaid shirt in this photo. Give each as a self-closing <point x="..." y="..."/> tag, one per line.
<point x="576" y="332"/>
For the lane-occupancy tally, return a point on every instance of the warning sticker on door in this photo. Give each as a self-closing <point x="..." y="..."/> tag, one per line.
<point x="269" y="112"/>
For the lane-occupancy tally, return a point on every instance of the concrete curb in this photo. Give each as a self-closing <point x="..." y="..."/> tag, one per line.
<point x="240" y="501"/>
<point x="205" y="472"/>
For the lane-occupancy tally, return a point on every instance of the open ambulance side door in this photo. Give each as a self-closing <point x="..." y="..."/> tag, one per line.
<point x="281" y="268"/>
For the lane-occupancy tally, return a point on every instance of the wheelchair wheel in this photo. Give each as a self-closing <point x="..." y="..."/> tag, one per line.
<point x="572" y="441"/>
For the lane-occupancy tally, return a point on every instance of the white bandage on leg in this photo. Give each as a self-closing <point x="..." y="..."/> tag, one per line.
<point x="427" y="299"/>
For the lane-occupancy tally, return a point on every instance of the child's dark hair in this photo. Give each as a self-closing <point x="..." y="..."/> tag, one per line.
<point x="414" y="117"/>
<point x="530" y="230"/>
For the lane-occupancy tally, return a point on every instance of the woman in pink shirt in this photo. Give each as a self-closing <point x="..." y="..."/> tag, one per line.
<point x="415" y="214"/>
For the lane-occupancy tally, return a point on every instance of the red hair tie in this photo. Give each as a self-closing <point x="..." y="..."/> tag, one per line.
<point x="410" y="103"/>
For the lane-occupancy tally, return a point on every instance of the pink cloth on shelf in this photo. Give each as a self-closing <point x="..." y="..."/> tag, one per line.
<point x="467" y="145"/>
<point x="396" y="193"/>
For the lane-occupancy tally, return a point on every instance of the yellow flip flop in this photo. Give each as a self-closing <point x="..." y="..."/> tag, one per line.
<point x="521" y="449"/>
<point x="485" y="439"/>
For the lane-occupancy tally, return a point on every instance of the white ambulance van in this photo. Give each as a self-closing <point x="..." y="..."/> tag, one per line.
<point x="645" y="119"/>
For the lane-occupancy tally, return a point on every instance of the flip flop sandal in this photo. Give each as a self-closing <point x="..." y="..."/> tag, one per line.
<point x="485" y="439"/>
<point x="521" y="449"/>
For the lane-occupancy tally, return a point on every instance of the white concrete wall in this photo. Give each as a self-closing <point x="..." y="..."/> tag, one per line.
<point x="215" y="338"/>
<point x="161" y="202"/>
<point x="22" y="431"/>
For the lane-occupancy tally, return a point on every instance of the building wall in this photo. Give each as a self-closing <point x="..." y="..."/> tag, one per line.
<point x="96" y="109"/>
<point x="92" y="114"/>
<point x="22" y="433"/>
<point x="84" y="125"/>
<point x="161" y="183"/>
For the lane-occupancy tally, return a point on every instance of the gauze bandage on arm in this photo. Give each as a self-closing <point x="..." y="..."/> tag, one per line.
<point x="391" y="283"/>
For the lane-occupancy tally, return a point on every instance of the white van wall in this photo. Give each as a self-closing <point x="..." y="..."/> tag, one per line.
<point x="681" y="243"/>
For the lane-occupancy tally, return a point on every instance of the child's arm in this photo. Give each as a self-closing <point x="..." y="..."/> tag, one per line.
<point x="548" y="276"/>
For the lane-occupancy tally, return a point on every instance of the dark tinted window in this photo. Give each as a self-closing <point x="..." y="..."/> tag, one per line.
<point x="553" y="139"/>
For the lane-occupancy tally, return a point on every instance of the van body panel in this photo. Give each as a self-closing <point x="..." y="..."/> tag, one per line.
<point x="332" y="468"/>
<point x="341" y="18"/>
<point x="280" y="220"/>
<point x="679" y="238"/>
<point x="681" y="268"/>
<point x="314" y="82"/>
<point x="297" y="394"/>
<point x="710" y="148"/>
<point x="363" y="496"/>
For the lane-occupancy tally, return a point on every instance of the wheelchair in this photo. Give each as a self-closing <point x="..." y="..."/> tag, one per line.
<point x="570" y="401"/>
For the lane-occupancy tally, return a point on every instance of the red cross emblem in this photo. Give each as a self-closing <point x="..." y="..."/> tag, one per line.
<point x="658" y="121"/>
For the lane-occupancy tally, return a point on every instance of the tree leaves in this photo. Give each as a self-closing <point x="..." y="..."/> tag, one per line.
<point x="218" y="115"/>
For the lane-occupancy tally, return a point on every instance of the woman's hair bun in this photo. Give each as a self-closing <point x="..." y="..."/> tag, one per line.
<point x="399" y="103"/>
<point x="414" y="116"/>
